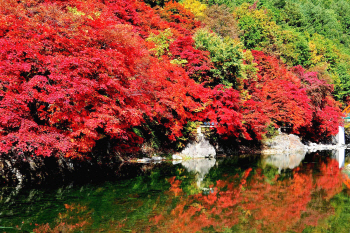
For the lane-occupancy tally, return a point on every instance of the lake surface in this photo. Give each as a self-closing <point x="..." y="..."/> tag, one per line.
<point x="283" y="193"/>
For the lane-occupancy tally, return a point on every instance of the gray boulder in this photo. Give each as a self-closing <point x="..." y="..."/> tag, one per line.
<point x="201" y="148"/>
<point x="177" y="157"/>
<point x="282" y="143"/>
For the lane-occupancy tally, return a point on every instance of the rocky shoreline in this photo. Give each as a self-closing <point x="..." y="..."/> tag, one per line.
<point x="39" y="170"/>
<point x="289" y="142"/>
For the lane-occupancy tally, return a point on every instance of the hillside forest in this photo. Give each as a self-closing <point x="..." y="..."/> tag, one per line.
<point x="80" y="75"/>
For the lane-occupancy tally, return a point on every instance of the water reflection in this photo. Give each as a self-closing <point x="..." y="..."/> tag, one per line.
<point x="339" y="155"/>
<point x="243" y="195"/>
<point x="200" y="167"/>
<point x="253" y="200"/>
<point x="286" y="160"/>
<point x="292" y="159"/>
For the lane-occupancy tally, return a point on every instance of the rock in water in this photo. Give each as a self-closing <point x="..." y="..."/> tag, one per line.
<point x="177" y="157"/>
<point x="283" y="142"/>
<point x="201" y="149"/>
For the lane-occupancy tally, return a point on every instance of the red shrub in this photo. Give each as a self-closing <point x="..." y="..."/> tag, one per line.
<point x="327" y="115"/>
<point x="69" y="77"/>
<point x="277" y="94"/>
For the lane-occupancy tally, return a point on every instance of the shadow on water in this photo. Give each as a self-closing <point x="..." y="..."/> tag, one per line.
<point x="281" y="193"/>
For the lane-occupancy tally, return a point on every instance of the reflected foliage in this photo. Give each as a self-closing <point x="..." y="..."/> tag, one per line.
<point x="253" y="197"/>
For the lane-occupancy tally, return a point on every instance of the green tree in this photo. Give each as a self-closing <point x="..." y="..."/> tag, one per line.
<point x="226" y="54"/>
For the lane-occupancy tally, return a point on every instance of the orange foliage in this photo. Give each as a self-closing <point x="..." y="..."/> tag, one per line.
<point x="346" y="181"/>
<point x="175" y="185"/>
<point x="66" y="221"/>
<point x="254" y="203"/>
<point x="178" y="15"/>
<point x="330" y="179"/>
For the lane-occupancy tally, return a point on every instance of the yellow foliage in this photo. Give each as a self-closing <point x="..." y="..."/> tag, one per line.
<point x="314" y="57"/>
<point x="162" y="42"/>
<point x="248" y="68"/>
<point x="196" y="7"/>
<point x="262" y="16"/>
<point x="248" y="56"/>
<point x="75" y="11"/>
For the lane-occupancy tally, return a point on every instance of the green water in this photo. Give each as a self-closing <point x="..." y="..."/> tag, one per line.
<point x="225" y="195"/>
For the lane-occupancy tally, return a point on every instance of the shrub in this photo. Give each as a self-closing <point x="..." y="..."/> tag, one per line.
<point x="220" y="20"/>
<point x="225" y="54"/>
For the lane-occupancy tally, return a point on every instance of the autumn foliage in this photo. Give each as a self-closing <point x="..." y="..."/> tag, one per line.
<point x="72" y="74"/>
<point x="76" y="72"/>
<point x="325" y="110"/>
<point x="286" y="102"/>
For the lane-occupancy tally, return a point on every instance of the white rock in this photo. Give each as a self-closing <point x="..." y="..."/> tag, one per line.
<point x="201" y="149"/>
<point x="177" y="157"/>
<point x="283" y="142"/>
<point x="144" y="160"/>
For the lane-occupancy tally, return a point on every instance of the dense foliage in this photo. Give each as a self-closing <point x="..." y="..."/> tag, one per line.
<point x="313" y="34"/>
<point x="75" y="73"/>
<point x="248" y="201"/>
<point x="72" y="77"/>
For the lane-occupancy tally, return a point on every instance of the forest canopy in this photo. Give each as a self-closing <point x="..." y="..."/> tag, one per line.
<point x="74" y="74"/>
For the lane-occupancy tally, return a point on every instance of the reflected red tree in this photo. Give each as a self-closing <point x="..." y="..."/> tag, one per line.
<point x="76" y="218"/>
<point x="251" y="202"/>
